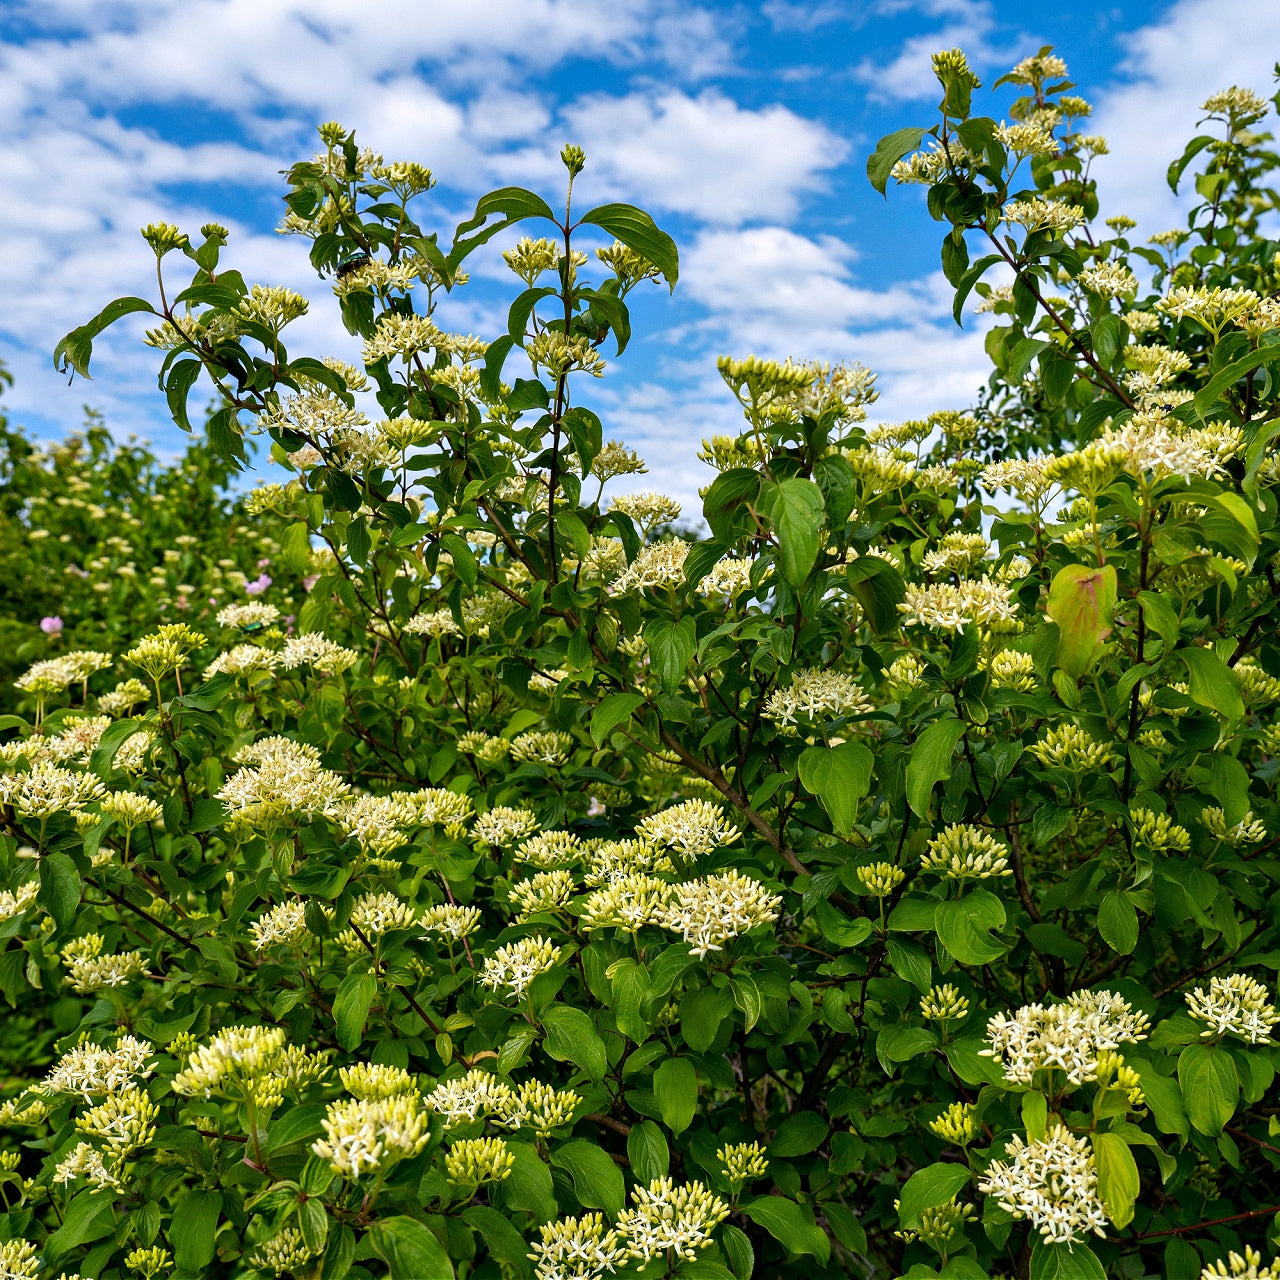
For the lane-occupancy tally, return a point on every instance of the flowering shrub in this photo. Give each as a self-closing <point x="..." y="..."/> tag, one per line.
<point x="882" y="885"/>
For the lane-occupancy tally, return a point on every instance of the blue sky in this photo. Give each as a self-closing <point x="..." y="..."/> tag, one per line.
<point x="744" y="128"/>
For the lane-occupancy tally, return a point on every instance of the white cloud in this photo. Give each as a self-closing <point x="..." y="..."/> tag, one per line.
<point x="908" y="75"/>
<point x="705" y="156"/>
<point x="1197" y="47"/>
<point x="786" y="15"/>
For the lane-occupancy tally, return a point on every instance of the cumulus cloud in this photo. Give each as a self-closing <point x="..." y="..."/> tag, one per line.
<point x="1170" y="68"/>
<point x="971" y="25"/>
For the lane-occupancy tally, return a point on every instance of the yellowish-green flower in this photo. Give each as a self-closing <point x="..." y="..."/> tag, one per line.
<point x="742" y="1162"/>
<point x="880" y="879"/>
<point x="956" y="1124"/>
<point x="473" y="1161"/>
<point x="965" y="852"/>
<point x="944" y="1004"/>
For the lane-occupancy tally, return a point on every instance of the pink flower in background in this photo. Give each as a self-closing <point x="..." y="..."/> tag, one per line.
<point x="309" y="581"/>
<point x="51" y="626"/>
<point x="263" y="564"/>
<point x="258" y="585"/>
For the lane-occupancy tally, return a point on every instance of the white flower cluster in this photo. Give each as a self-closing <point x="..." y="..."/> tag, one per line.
<point x="280" y="782"/>
<point x="369" y="1135"/>
<point x="1234" y="1005"/>
<point x="691" y="829"/>
<point x="818" y="695"/>
<point x="227" y="1065"/>
<point x="708" y="913"/>
<point x="629" y="902"/>
<point x="513" y="967"/>
<point x="657" y="564"/>
<point x="951" y="606"/>
<point x="450" y="921"/>
<point x="282" y="925"/>
<point x="252" y="613"/>
<point x="1248" y="1267"/>
<point x="504" y="825"/>
<point x="89" y="1069"/>
<point x="48" y="789"/>
<point x="1068" y="1037"/>
<point x="957" y="552"/>
<point x="318" y="651"/>
<point x="1053" y="1183"/>
<point x="669" y="1217"/>
<point x="577" y="1249"/>
<point x="464" y="1098"/>
<point x="242" y="660"/>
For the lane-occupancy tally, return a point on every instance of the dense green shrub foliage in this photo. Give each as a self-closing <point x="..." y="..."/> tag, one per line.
<point x="495" y="885"/>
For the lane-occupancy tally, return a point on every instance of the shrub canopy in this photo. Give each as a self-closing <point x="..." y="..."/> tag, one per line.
<point x="427" y="866"/>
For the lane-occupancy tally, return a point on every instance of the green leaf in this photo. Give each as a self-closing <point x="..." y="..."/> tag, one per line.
<point x="730" y="492"/>
<point x="1212" y="683"/>
<point x="597" y="1181"/>
<point x="835" y="476"/>
<point x="839" y="776"/>
<point x="351" y="1007"/>
<point x="1118" y="1183"/>
<point x="963" y="927"/>
<point x="614" y="710"/>
<point x="647" y="1152"/>
<point x="878" y="588"/>
<point x="1210" y="1087"/>
<point x="88" y="1217"/>
<point x="295" y="547"/>
<point x="529" y="1185"/>
<point x="464" y="559"/>
<point x="933" y="1185"/>
<point x="638" y="231"/>
<point x="194" y="1226"/>
<point x="60" y="889"/>
<point x="931" y="762"/>
<point x="1211" y="392"/>
<point x="800" y="1133"/>
<point x="1228" y="784"/>
<point x="675" y="1085"/>
<point x="790" y="1225"/>
<point x="572" y="1037"/>
<point x="1021" y="356"/>
<point x="737" y="1248"/>
<point x="910" y="961"/>
<point x="671" y="645"/>
<point x="505" y="1244"/>
<point x="1192" y="149"/>
<point x="494" y="358"/>
<point x="75" y="350"/>
<point x="410" y="1250"/>
<point x="359" y="542"/>
<point x="1064" y="1262"/>
<point x="182" y="376"/>
<point x="889" y="150"/>
<point x="896" y="1043"/>
<point x="702" y="1010"/>
<point x="1118" y="922"/>
<point x="798" y="514"/>
<point x="514" y="203"/>
<point x="1080" y="602"/>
